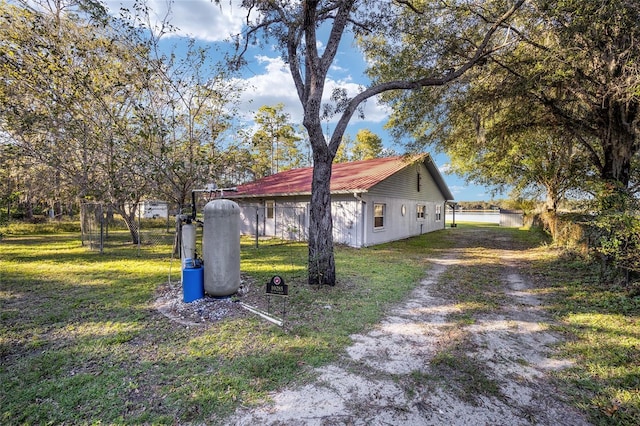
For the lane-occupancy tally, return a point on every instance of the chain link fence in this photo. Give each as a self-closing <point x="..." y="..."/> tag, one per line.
<point x="146" y="226"/>
<point x="283" y="223"/>
<point x="92" y="223"/>
<point x="152" y="232"/>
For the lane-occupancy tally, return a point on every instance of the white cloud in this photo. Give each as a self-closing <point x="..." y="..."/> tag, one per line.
<point x="469" y="192"/>
<point x="445" y="168"/>
<point x="338" y="68"/>
<point x="457" y="189"/>
<point x="275" y="85"/>
<point x="200" y="19"/>
<point x="272" y="83"/>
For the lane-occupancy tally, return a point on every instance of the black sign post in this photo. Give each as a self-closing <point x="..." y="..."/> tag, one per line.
<point x="277" y="287"/>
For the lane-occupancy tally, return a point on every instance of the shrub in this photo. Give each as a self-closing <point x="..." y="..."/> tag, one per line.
<point x="53" y="227"/>
<point x="567" y="230"/>
<point x="619" y="239"/>
<point x="617" y="229"/>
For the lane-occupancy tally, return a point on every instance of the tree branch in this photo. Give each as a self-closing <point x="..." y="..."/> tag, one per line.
<point x="480" y="52"/>
<point x="340" y="21"/>
<point x="410" y="5"/>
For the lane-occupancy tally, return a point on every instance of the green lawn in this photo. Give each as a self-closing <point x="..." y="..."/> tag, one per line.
<point x="80" y="341"/>
<point x="602" y="325"/>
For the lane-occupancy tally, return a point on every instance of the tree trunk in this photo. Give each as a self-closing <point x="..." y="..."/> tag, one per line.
<point x="28" y="207"/>
<point x="551" y="202"/>
<point x="617" y="162"/>
<point x="322" y="269"/>
<point x="619" y="140"/>
<point x="619" y="146"/>
<point x="83" y="221"/>
<point x="130" y="220"/>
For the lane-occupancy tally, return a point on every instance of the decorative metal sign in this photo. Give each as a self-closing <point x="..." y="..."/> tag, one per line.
<point x="277" y="286"/>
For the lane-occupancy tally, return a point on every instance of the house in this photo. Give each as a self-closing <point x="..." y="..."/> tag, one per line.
<point x="154" y="209"/>
<point x="372" y="201"/>
<point x="149" y="209"/>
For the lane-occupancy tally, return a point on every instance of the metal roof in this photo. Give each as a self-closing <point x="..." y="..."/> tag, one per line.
<point x="356" y="176"/>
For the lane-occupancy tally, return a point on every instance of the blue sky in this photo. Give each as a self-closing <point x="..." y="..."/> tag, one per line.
<point x="268" y="80"/>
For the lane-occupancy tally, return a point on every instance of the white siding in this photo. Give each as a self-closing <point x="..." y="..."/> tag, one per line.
<point x="346" y="217"/>
<point x="291" y="219"/>
<point x="396" y="225"/>
<point x="248" y="219"/>
<point x="353" y="215"/>
<point x="404" y="184"/>
<point x="399" y="190"/>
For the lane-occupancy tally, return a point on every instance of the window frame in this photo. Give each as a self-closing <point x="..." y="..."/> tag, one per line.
<point x="381" y="217"/>
<point x="421" y="212"/>
<point x="270" y="209"/>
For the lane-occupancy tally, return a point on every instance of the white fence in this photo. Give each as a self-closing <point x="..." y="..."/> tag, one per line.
<point x="506" y="218"/>
<point x="481" y="216"/>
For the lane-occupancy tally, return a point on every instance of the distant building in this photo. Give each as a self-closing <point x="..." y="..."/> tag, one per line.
<point x="153" y="209"/>
<point x="372" y="201"/>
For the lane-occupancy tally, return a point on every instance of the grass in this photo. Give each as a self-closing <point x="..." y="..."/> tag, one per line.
<point x="80" y="341"/>
<point x="54" y="227"/>
<point x="475" y="282"/>
<point x="466" y="375"/>
<point x="602" y="323"/>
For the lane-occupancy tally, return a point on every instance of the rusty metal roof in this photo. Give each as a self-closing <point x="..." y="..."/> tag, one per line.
<point x="356" y="176"/>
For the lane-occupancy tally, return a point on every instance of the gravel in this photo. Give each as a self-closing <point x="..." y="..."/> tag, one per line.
<point x="169" y="301"/>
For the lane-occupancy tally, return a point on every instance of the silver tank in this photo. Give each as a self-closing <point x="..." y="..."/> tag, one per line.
<point x="188" y="242"/>
<point x="221" y="248"/>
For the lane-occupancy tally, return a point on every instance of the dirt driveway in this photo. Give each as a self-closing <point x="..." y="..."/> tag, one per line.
<point x="442" y="360"/>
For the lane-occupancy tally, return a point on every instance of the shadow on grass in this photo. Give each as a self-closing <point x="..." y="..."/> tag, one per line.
<point x="601" y="322"/>
<point x="81" y="343"/>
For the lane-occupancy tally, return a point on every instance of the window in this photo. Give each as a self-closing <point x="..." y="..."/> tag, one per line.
<point x="420" y="211"/>
<point x="438" y="213"/>
<point x="270" y="207"/>
<point x="378" y="216"/>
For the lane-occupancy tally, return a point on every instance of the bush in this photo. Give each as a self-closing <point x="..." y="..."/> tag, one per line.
<point x="25" y="228"/>
<point x="567" y="230"/>
<point x="611" y="236"/>
<point x="619" y="239"/>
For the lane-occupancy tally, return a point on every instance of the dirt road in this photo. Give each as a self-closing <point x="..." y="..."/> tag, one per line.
<point x="439" y="359"/>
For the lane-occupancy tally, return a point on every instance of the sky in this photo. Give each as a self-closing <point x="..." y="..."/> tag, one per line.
<point x="269" y="82"/>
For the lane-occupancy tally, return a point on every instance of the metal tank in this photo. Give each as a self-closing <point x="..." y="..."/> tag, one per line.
<point x="188" y="249"/>
<point x="221" y="248"/>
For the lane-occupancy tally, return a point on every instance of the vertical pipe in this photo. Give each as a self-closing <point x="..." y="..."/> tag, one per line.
<point x="101" y="230"/>
<point x="257" y="225"/>
<point x="139" y="228"/>
<point x="188" y="248"/>
<point x="443" y="215"/>
<point x="193" y="205"/>
<point x="454" y="216"/>
<point x="106" y="223"/>
<point x="167" y="227"/>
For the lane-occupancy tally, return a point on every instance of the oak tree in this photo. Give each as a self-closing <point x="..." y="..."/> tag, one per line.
<point x="309" y="34"/>
<point x="574" y="78"/>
